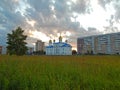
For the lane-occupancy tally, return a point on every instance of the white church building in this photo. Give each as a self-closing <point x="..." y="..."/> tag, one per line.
<point x="58" y="48"/>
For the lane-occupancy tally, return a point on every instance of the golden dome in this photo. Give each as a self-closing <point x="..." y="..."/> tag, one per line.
<point x="60" y="39"/>
<point x="50" y="41"/>
<point x="54" y="40"/>
<point x="66" y="41"/>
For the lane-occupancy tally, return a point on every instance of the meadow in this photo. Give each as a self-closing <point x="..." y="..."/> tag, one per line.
<point x="60" y="72"/>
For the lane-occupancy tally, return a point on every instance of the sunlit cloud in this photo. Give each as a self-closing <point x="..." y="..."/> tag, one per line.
<point x="74" y="1"/>
<point x="39" y="35"/>
<point x="68" y="33"/>
<point x="15" y="0"/>
<point x="31" y="22"/>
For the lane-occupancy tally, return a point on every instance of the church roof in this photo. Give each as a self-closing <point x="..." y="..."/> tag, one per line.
<point x="62" y="44"/>
<point x="66" y="45"/>
<point x="59" y="43"/>
<point x="49" y="46"/>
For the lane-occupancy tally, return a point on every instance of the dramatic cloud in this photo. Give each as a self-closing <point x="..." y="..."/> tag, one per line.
<point x="49" y="18"/>
<point x="114" y="20"/>
<point x="107" y="4"/>
<point x="103" y="3"/>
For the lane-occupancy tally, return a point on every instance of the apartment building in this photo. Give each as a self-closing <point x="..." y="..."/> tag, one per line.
<point x="106" y="44"/>
<point x="3" y="50"/>
<point x="40" y="45"/>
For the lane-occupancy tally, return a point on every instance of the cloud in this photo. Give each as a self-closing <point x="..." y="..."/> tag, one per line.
<point x="8" y="16"/>
<point x="114" y="19"/>
<point x="59" y="18"/>
<point x="41" y="6"/>
<point x="114" y="3"/>
<point x="49" y="17"/>
<point x="81" y="6"/>
<point x="117" y="8"/>
<point x="103" y="3"/>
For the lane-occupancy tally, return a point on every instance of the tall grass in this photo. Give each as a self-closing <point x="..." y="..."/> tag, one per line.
<point x="59" y="72"/>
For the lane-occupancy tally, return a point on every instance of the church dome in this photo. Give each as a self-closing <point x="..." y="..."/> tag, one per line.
<point x="66" y="41"/>
<point x="54" y="40"/>
<point x="60" y="39"/>
<point x="50" y="41"/>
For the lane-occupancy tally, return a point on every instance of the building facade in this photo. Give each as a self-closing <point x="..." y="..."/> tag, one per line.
<point x="40" y="46"/>
<point x="105" y="44"/>
<point x="58" y="48"/>
<point x="30" y="50"/>
<point x="3" y="50"/>
<point x="0" y="49"/>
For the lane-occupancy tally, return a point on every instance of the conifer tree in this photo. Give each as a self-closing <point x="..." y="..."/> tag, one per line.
<point x="16" y="42"/>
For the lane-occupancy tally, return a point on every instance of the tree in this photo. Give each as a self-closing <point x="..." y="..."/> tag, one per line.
<point x="39" y="52"/>
<point x="16" y="42"/>
<point x="74" y="52"/>
<point x="91" y="52"/>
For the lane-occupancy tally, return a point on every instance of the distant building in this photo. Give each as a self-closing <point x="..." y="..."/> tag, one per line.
<point x="40" y="46"/>
<point x="30" y="50"/>
<point x="58" y="48"/>
<point x="0" y="49"/>
<point x="106" y="44"/>
<point x="3" y="50"/>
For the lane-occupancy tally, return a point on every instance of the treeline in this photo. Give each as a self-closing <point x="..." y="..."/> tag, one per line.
<point x="39" y="52"/>
<point x="36" y="53"/>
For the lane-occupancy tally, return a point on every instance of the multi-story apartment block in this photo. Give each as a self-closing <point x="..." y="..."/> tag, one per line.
<point x="30" y="50"/>
<point x="106" y="44"/>
<point x="3" y="50"/>
<point x="40" y="46"/>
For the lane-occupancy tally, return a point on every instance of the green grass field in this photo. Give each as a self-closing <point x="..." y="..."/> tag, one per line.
<point x="59" y="72"/>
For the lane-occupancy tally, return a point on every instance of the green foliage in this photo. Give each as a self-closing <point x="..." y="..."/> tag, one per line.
<point x="74" y="52"/>
<point x="60" y="73"/>
<point x="16" y="42"/>
<point x="39" y="52"/>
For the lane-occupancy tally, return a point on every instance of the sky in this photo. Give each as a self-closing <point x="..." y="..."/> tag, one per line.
<point x="48" y="19"/>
